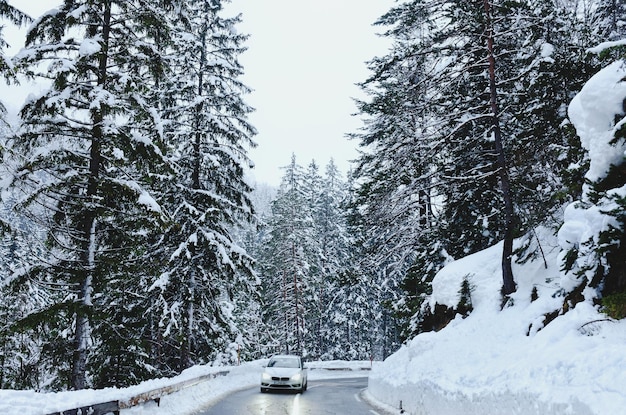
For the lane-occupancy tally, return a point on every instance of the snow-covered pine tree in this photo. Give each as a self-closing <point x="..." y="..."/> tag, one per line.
<point x="206" y="124"/>
<point x="406" y="82"/>
<point x="508" y="215"/>
<point x="545" y="148"/>
<point x="305" y="257"/>
<point x="316" y="280"/>
<point x="20" y="363"/>
<point x="16" y="17"/>
<point x="93" y="156"/>
<point x="470" y="217"/>
<point x="363" y="293"/>
<point x="252" y="237"/>
<point x="331" y="259"/>
<point x="397" y="169"/>
<point x="447" y="41"/>
<point x="286" y="261"/>
<point x="394" y="172"/>
<point x="609" y="20"/>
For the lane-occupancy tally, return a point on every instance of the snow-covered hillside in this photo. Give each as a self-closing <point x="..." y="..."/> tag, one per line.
<point x="503" y="362"/>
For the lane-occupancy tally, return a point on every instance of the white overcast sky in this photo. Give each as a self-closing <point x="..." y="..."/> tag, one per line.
<point x="303" y="60"/>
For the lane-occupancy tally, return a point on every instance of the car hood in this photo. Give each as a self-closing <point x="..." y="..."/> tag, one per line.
<point x="282" y="372"/>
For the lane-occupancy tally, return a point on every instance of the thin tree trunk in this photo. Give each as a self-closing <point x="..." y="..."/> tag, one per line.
<point x="296" y="295"/>
<point x="187" y="347"/>
<point x="83" y="329"/>
<point x="284" y="280"/>
<point x="508" y="286"/>
<point x="197" y="156"/>
<point x="88" y="225"/>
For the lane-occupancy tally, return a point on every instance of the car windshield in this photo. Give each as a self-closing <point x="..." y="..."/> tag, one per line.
<point x="284" y="362"/>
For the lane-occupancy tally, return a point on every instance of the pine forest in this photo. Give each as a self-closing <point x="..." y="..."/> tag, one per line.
<point x="133" y="245"/>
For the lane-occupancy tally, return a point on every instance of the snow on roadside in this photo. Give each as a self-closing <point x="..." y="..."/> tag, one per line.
<point x="185" y="402"/>
<point x="505" y="362"/>
<point x="191" y="400"/>
<point x="33" y="403"/>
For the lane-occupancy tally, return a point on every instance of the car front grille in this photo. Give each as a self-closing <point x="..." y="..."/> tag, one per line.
<point x="275" y="378"/>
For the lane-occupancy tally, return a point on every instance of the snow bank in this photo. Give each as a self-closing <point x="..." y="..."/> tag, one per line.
<point x="33" y="403"/>
<point x="506" y="362"/>
<point x="191" y="400"/>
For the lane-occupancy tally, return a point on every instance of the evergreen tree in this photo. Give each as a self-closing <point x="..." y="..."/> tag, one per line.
<point x="477" y="209"/>
<point x="208" y="197"/>
<point x="310" y="287"/>
<point x="286" y="263"/>
<point x="20" y="363"/>
<point x="412" y="307"/>
<point x="253" y="237"/>
<point x="609" y="20"/>
<point x="435" y="107"/>
<point x="547" y="162"/>
<point x="15" y="16"/>
<point x="363" y="291"/>
<point x="331" y="230"/>
<point x="317" y="283"/>
<point x="93" y="155"/>
<point x="395" y="170"/>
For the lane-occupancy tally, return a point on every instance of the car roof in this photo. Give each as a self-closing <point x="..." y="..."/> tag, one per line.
<point x="289" y="356"/>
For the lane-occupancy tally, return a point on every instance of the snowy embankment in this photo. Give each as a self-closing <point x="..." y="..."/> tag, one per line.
<point x="185" y="402"/>
<point x="505" y="362"/>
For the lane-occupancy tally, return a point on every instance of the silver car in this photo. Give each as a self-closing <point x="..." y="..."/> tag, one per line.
<point x="284" y="372"/>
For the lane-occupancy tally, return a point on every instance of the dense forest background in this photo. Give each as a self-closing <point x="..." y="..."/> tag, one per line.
<point x="133" y="247"/>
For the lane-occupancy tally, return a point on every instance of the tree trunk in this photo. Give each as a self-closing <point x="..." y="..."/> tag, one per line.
<point x="89" y="223"/>
<point x="508" y="286"/>
<point x="187" y="346"/>
<point x="83" y="329"/>
<point x="296" y="295"/>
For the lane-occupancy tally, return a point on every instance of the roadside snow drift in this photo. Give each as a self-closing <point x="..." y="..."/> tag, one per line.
<point x="505" y="362"/>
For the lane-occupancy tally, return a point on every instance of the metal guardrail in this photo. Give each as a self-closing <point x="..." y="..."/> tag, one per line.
<point x="152" y="395"/>
<point x="95" y="409"/>
<point x="339" y="368"/>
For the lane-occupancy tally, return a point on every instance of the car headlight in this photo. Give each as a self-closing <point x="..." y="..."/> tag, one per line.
<point x="266" y="376"/>
<point x="297" y="377"/>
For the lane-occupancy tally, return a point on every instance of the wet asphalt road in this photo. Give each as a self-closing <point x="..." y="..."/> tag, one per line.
<point x="323" y="397"/>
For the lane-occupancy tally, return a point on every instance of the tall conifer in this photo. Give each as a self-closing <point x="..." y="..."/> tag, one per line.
<point x="207" y="128"/>
<point x="92" y="156"/>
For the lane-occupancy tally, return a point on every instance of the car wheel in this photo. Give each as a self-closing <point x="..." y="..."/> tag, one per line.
<point x="263" y="390"/>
